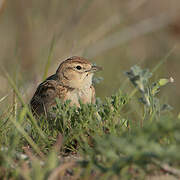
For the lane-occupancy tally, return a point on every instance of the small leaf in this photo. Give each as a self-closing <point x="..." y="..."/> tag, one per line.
<point x="163" y="82"/>
<point x="166" y="107"/>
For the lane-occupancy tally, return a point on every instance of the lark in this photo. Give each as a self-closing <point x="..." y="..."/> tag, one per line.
<point x="72" y="81"/>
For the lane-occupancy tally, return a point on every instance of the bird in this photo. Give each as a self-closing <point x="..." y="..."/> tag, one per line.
<point x="72" y="81"/>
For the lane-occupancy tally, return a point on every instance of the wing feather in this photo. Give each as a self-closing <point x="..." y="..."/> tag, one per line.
<point x="45" y="95"/>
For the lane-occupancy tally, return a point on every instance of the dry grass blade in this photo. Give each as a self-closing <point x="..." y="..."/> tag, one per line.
<point x="3" y="98"/>
<point x="25" y="171"/>
<point x="171" y="170"/>
<point x="54" y="175"/>
<point x="167" y="168"/>
<point x="14" y="104"/>
<point x="30" y="154"/>
<point x="58" y="144"/>
<point x="143" y="27"/>
<point x="99" y="32"/>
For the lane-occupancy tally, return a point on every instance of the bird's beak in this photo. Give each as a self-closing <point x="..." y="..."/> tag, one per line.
<point x="95" y="69"/>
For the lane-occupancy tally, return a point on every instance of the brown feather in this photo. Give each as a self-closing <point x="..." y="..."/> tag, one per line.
<point x="68" y="83"/>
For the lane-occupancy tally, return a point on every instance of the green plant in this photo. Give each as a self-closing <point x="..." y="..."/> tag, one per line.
<point x="140" y="79"/>
<point x="101" y="140"/>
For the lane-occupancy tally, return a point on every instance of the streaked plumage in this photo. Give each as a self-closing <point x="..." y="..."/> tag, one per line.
<point x="72" y="81"/>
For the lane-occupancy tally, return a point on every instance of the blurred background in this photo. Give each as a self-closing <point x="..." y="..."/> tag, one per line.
<point x="36" y="35"/>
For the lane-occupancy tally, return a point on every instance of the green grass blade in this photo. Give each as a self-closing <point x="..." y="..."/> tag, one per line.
<point x="26" y="136"/>
<point x="33" y="120"/>
<point x="49" y="58"/>
<point x="162" y="61"/>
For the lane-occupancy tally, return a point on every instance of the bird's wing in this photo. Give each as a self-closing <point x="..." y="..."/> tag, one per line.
<point x="93" y="99"/>
<point x="45" y="95"/>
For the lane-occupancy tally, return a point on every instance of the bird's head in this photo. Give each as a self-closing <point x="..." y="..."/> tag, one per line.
<point x="76" y="72"/>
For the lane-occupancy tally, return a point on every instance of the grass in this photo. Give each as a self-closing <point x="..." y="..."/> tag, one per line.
<point x="101" y="141"/>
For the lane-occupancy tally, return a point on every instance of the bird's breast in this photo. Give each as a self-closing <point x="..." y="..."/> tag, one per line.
<point x="83" y="95"/>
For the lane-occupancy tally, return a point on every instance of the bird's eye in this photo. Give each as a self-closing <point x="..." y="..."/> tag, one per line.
<point x="78" y="67"/>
